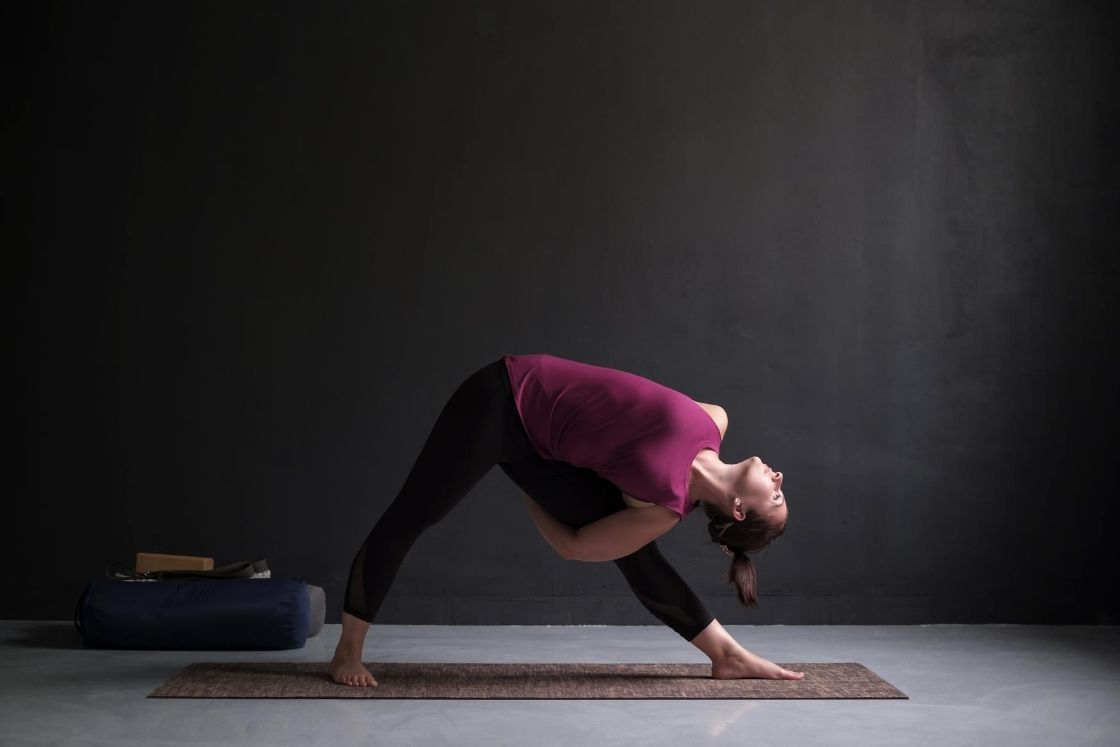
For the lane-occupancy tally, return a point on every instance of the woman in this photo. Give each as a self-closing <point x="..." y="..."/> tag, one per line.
<point x="582" y="441"/>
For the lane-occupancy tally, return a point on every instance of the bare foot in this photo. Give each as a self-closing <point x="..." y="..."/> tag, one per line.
<point x="746" y="665"/>
<point x="348" y="670"/>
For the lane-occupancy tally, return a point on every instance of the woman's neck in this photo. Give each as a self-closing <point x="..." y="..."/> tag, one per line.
<point x="710" y="480"/>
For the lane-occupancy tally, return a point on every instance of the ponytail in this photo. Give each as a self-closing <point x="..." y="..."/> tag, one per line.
<point x="737" y="538"/>
<point x="742" y="575"/>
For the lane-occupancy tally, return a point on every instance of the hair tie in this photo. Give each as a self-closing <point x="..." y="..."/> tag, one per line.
<point x="727" y="550"/>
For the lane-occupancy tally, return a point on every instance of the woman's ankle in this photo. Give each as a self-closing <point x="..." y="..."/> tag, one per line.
<point x="718" y="644"/>
<point x="347" y="652"/>
<point x="353" y="636"/>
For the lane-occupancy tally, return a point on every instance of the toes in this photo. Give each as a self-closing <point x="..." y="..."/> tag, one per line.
<point x="357" y="680"/>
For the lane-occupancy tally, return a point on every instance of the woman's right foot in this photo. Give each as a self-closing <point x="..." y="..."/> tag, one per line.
<point x="346" y="669"/>
<point x="745" y="665"/>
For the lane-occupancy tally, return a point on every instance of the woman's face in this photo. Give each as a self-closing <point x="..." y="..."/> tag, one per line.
<point x="762" y="487"/>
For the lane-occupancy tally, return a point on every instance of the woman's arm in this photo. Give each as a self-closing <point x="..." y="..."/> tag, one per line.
<point x="621" y="533"/>
<point x="559" y="535"/>
<point x="614" y="536"/>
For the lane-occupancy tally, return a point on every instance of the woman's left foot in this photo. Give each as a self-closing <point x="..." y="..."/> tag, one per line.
<point x="348" y="670"/>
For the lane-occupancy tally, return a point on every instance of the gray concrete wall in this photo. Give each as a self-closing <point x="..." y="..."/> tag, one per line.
<point x="253" y="247"/>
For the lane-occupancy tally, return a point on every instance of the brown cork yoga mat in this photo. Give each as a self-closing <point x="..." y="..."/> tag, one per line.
<point x="518" y="681"/>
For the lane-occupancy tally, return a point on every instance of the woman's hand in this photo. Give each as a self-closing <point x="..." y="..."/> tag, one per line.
<point x="745" y="665"/>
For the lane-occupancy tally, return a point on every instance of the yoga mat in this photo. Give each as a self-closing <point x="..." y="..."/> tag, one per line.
<point x="518" y="681"/>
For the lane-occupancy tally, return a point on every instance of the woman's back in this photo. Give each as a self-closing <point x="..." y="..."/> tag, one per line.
<point x="639" y="434"/>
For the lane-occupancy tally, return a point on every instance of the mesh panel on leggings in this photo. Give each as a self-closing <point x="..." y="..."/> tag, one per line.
<point x="663" y="592"/>
<point x="670" y="614"/>
<point x="353" y="600"/>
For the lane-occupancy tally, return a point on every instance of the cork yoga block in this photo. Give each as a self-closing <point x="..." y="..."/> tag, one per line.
<point x="152" y="561"/>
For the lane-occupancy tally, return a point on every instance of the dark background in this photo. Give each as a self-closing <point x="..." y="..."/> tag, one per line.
<point x="251" y="248"/>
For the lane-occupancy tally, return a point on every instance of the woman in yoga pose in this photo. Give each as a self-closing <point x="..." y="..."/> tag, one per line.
<point x="609" y="461"/>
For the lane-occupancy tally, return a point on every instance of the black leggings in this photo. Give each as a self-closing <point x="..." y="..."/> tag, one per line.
<point x="478" y="428"/>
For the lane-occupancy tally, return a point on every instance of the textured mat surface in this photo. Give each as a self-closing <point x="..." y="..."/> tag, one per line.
<point x="518" y="681"/>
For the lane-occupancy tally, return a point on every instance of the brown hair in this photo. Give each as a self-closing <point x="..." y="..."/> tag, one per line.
<point x="751" y="534"/>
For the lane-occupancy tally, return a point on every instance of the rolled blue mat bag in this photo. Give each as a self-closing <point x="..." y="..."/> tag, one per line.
<point x="209" y="614"/>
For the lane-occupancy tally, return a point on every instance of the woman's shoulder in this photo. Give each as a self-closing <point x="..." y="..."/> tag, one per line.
<point x="717" y="414"/>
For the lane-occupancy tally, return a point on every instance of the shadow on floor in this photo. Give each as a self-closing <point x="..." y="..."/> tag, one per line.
<point x="37" y="634"/>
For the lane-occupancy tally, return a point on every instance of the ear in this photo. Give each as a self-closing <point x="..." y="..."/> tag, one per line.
<point x="737" y="509"/>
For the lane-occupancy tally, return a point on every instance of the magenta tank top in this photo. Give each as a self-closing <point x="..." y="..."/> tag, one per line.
<point x="640" y="435"/>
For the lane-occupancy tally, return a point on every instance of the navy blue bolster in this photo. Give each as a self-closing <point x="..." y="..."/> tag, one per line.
<point x="195" y="614"/>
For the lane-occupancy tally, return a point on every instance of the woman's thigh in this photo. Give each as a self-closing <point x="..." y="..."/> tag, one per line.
<point x="573" y="495"/>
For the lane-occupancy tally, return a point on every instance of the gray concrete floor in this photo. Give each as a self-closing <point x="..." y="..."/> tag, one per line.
<point x="968" y="685"/>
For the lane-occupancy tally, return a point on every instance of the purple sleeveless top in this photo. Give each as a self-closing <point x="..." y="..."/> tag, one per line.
<point x="639" y="434"/>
